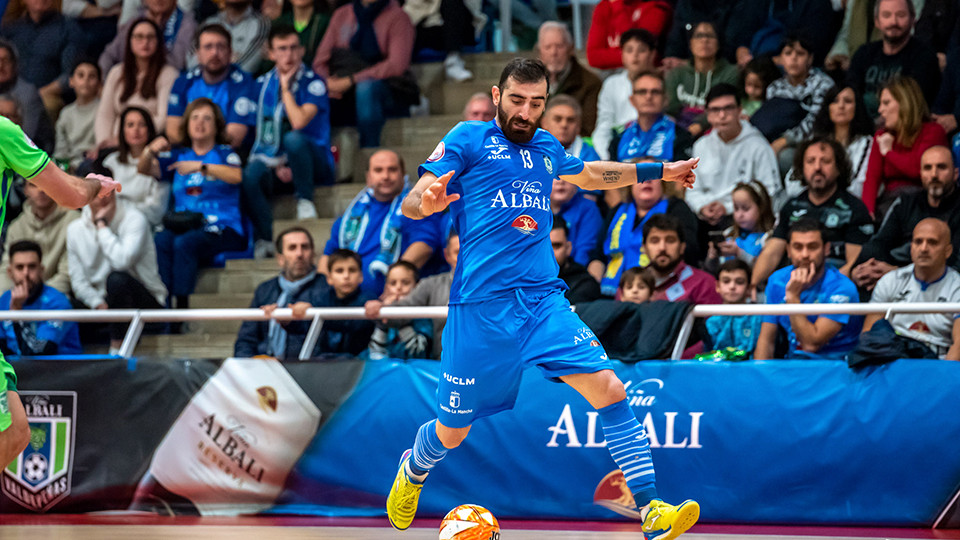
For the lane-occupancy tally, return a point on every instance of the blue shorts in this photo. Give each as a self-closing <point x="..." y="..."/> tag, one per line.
<point x="486" y="347"/>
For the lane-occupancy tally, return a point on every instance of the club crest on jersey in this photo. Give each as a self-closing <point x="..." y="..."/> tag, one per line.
<point x="525" y="224"/>
<point x="437" y="152"/>
<point x="548" y="164"/>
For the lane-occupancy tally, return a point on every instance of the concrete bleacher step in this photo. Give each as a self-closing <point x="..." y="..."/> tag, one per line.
<point x="194" y="345"/>
<point x="330" y="201"/>
<point x="221" y="300"/>
<point x="420" y="130"/>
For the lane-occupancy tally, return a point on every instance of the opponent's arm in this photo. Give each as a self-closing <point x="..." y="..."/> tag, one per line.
<point x="612" y="175"/>
<point x="428" y="197"/>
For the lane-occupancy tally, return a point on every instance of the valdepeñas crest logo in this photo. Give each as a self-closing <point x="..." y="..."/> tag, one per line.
<point x="525" y="224"/>
<point x="40" y="476"/>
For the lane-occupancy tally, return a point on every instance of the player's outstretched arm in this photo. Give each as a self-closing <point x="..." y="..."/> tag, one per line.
<point x="429" y="196"/>
<point x="612" y="174"/>
<point x="72" y="191"/>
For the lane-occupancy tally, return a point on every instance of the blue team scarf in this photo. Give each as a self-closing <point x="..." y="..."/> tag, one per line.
<point x="364" y="41"/>
<point x="270" y="112"/>
<point x="656" y="143"/>
<point x="171" y="29"/>
<point x="354" y="228"/>
<point x="623" y="246"/>
<point x="277" y="335"/>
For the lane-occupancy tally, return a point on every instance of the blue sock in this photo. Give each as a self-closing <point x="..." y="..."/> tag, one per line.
<point x="627" y="443"/>
<point x="427" y="450"/>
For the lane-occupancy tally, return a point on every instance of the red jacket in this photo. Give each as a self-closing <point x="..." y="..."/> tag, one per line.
<point x="901" y="165"/>
<point x="614" y="17"/>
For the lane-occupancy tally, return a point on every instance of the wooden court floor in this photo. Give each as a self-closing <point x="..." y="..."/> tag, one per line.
<point x="19" y="527"/>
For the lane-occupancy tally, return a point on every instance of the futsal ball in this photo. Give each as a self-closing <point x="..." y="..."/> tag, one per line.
<point x="469" y="522"/>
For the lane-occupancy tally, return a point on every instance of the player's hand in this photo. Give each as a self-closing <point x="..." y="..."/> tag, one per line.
<point x="107" y="184"/>
<point x="435" y="198"/>
<point x="681" y="172"/>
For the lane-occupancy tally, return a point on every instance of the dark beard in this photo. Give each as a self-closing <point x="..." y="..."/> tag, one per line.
<point x="664" y="270"/>
<point x="511" y="134"/>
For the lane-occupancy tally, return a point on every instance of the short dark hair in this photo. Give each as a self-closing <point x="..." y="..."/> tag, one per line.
<point x="735" y="265"/>
<point x="524" y="71"/>
<point x="803" y="225"/>
<point x="720" y="90"/>
<point x="641" y="35"/>
<point x="638" y="272"/>
<point x="291" y="230"/>
<point x="407" y="265"/>
<point x="839" y="157"/>
<point x="23" y="246"/>
<point x="343" y="255"/>
<point x="89" y="62"/>
<point x="560" y="223"/>
<point x="795" y="38"/>
<point x="280" y="30"/>
<point x="213" y="28"/>
<point x="663" y="222"/>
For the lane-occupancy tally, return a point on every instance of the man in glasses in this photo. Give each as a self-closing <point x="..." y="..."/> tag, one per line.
<point x="653" y="134"/>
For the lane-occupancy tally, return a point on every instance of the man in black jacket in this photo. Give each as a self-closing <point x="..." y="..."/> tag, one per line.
<point x="298" y="286"/>
<point x="582" y="286"/>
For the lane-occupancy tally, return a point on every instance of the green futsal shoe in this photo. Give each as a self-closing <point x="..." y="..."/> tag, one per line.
<point x="403" y="497"/>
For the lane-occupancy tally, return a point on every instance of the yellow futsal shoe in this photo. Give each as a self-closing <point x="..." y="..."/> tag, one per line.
<point x="666" y="522"/>
<point x="403" y="497"/>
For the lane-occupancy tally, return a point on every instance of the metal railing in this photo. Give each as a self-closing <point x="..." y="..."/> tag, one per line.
<point x="138" y="318"/>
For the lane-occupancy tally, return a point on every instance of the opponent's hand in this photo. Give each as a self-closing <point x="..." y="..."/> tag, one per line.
<point x="107" y="184"/>
<point x="435" y="198"/>
<point x="681" y="172"/>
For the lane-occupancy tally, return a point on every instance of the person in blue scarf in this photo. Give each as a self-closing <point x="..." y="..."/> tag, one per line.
<point x="293" y="136"/>
<point x="374" y="227"/>
<point x="653" y="134"/>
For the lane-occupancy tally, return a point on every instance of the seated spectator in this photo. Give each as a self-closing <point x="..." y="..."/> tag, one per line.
<point x="927" y="279"/>
<point x="638" y="49"/>
<point x="612" y="19"/>
<point x="293" y="137"/>
<point x="310" y="18"/>
<point x="844" y="220"/>
<point x="44" y="222"/>
<point x="344" y="276"/>
<point x="408" y="341"/>
<point x="34" y="119"/>
<point x="54" y="44"/>
<point x="689" y="84"/>
<point x="248" y="32"/>
<point x="890" y="248"/>
<point x="113" y="262"/>
<point x="739" y="331"/>
<point x="898" y="52"/>
<point x="622" y="246"/>
<point x="430" y="291"/>
<point x="178" y="26"/>
<point x="140" y="191"/>
<point x="98" y="21"/>
<point x="764" y="23"/>
<point x="636" y="285"/>
<point x="374" y="227"/>
<point x="752" y="224"/>
<point x="74" y="132"/>
<point x="299" y="287"/>
<point x="479" y="108"/>
<point x="143" y="79"/>
<point x="755" y="78"/>
<point x="215" y="77"/>
<point x="894" y="165"/>
<point x="565" y="75"/>
<point x="357" y="59"/>
<point x="664" y="245"/>
<point x="29" y="292"/>
<point x="734" y="151"/>
<point x="798" y="95"/>
<point x="205" y="219"/>
<point x="561" y="118"/>
<point x="809" y="280"/>
<point x="727" y="19"/>
<point x="581" y="287"/>
<point x="581" y="217"/>
<point x="448" y="26"/>
<point x="651" y="134"/>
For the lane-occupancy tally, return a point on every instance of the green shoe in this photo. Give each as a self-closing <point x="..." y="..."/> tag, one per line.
<point x="403" y="497"/>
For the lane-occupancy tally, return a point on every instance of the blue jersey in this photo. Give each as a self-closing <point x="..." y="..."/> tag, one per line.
<point x="234" y="95"/>
<point x="656" y="143"/>
<point x="503" y="215"/>
<point x="217" y="200"/>
<point x="64" y="333"/>
<point x="832" y="288"/>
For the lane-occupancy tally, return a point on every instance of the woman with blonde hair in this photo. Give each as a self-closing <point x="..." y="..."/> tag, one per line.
<point x="906" y="132"/>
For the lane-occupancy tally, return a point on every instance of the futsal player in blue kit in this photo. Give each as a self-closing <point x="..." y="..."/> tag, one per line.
<point x="507" y="311"/>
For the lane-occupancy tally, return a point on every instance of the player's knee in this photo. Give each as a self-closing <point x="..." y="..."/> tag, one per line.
<point x="451" y="437"/>
<point x="614" y="390"/>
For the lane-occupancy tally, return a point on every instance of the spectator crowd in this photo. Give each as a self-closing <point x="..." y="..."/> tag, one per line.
<point x="827" y="134"/>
